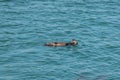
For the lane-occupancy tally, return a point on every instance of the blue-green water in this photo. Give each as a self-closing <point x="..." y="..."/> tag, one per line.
<point x="25" y="25"/>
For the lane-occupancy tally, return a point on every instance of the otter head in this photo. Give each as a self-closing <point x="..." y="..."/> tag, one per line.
<point x="75" y="42"/>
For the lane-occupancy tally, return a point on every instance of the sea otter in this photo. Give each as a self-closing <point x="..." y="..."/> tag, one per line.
<point x="73" y="43"/>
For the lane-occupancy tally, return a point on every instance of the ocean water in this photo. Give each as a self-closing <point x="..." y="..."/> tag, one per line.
<point x="25" y="25"/>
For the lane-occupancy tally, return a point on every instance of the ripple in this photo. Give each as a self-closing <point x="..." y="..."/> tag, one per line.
<point x="26" y="25"/>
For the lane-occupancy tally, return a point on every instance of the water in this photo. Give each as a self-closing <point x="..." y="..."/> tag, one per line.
<point x="25" y="25"/>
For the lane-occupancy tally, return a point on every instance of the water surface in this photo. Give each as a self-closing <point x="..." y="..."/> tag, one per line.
<point x="25" y="25"/>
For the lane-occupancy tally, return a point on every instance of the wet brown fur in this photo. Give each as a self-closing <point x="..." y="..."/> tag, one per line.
<point x="73" y="43"/>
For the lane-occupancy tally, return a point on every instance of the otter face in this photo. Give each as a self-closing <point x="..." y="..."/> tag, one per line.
<point x="75" y="42"/>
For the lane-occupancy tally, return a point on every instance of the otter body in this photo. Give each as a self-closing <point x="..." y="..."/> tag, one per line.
<point x="73" y="43"/>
